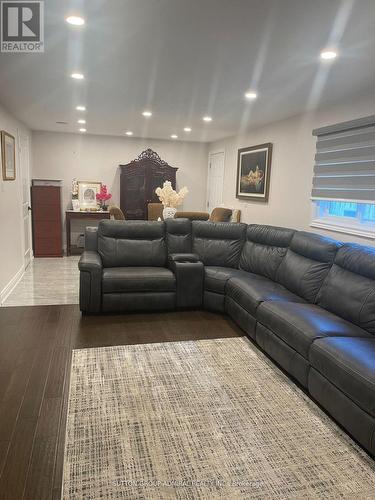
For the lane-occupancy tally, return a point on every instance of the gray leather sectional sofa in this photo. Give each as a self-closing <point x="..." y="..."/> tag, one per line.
<point x="307" y="300"/>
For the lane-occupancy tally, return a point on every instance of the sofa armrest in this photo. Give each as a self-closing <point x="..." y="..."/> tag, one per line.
<point x="189" y="273"/>
<point x="90" y="261"/>
<point x="91" y="238"/>
<point x="90" y="290"/>
<point x="183" y="257"/>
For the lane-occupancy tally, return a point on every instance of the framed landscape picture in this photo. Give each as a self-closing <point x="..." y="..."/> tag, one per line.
<point x="8" y="156"/>
<point x="253" y="172"/>
<point x="87" y="191"/>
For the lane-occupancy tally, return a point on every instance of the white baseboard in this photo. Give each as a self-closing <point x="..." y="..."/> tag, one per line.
<point x="8" y="289"/>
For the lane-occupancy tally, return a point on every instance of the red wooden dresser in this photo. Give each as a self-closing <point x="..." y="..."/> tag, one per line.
<point x="46" y="217"/>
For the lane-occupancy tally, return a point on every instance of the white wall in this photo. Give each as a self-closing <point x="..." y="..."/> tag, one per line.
<point x="93" y="157"/>
<point x="292" y="167"/>
<point x="11" y="223"/>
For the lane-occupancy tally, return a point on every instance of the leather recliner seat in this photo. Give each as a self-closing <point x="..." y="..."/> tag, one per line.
<point x="307" y="300"/>
<point x="219" y="246"/>
<point x="134" y="258"/>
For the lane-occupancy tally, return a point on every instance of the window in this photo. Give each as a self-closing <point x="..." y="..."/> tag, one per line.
<point x="345" y="216"/>
<point x="343" y="191"/>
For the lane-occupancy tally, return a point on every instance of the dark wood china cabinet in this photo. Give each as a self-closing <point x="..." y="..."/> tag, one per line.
<point x="138" y="182"/>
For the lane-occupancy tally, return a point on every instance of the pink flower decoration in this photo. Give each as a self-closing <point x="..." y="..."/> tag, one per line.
<point x="103" y="195"/>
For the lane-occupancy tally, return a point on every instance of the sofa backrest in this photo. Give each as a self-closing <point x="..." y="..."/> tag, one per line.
<point x="132" y="243"/>
<point x="349" y="289"/>
<point x="91" y="238"/>
<point x="218" y="243"/>
<point x="307" y="263"/>
<point x="264" y="249"/>
<point x="178" y="232"/>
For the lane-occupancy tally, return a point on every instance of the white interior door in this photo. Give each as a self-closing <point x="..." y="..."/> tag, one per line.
<point x="24" y="156"/>
<point x="215" y="181"/>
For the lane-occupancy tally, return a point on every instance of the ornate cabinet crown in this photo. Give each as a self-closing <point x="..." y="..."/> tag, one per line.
<point x="138" y="182"/>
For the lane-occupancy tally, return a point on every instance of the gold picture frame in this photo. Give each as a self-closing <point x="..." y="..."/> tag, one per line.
<point x="87" y="191"/>
<point x="8" y="156"/>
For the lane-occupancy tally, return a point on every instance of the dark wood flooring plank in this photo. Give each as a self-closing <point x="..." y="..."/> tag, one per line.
<point x="59" y="460"/>
<point x="4" y="445"/>
<point x="40" y="476"/>
<point x="34" y="393"/>
<point x="5" y="378"/>
<point x="71" y="332"/>
<point x="55" y="383"/>
<point x="12" y="480"/>
<point x="32" y="401"/>
<point x="11" y="340"/>
<point x="12" y="400"/>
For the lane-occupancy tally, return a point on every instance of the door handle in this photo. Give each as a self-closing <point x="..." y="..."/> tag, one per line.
<point x="29" y="208"/>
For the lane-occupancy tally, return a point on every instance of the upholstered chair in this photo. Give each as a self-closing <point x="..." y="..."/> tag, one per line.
<point x="116" y="213"/>
<point x="220" y="214"/>
<point x="154" y="211"/>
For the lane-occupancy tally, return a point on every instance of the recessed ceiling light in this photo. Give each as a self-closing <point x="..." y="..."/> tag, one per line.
<point x="81" y="121"/>
<point x="251" y="95"/>
<point x="82" y="130"/>
<point x="147" y="114"/>
<point x="187" y="129"/>
<point x="328" y="55"/>
<point x="77" y="76"/>
<point x="174" y="136"/>
<point x="207" y="119"/>
<point x="80" y="108"/>
<point x="129" y="132"/>
<point x="75" y="20"/>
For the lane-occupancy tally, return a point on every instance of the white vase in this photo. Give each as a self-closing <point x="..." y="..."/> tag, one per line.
<point x="75" y="205"/>
<point x="169" y="212"/>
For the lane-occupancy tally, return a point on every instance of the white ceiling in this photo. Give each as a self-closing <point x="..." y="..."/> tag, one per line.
<point x="183" y="59"/>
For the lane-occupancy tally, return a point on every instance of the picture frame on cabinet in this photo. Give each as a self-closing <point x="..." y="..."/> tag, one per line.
<point x="87" y="191"/>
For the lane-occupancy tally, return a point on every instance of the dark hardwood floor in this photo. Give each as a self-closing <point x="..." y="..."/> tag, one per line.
<point x="35" y="356"/>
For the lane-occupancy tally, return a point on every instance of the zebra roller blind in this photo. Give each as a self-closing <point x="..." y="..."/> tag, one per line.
<point x="345" y="161"/>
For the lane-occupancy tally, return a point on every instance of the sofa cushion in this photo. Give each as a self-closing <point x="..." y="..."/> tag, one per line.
<point x="141" y="279"/>
<point x="306" y="264"/>
<point x="264" y="249"/>
<point x="349" y="364"/>
<point x="250" y="290"/>
<point x="349" y="289"/>
<point x="132" y="243"/>
<point x="218" y="243"/>
<point x="178" y="232"/>
<point x="299" y="325"/>
<point x="215" y="277"/>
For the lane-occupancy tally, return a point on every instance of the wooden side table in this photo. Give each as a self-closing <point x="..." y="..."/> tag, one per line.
<point x="88" y="217"/>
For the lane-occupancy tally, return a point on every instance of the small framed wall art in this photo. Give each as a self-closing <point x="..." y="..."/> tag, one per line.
<point x="8" y="156"/>
<point x="253" y="172"/>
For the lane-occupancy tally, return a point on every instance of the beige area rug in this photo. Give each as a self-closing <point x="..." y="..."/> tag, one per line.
<point x="201" y="420"/>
